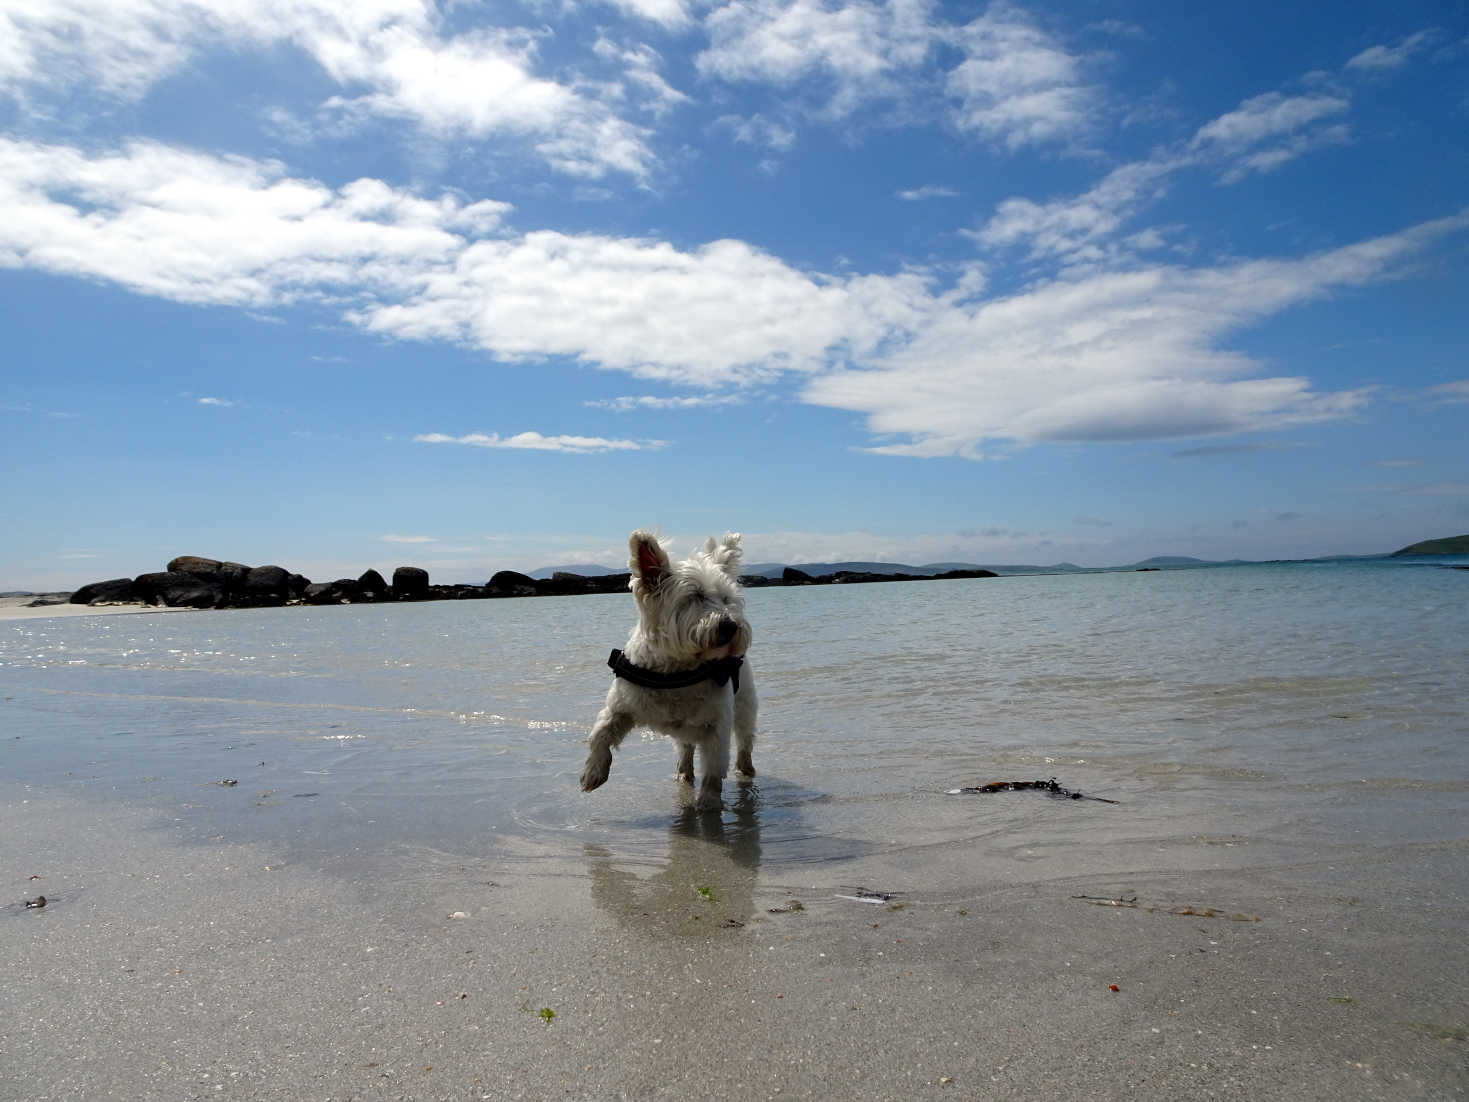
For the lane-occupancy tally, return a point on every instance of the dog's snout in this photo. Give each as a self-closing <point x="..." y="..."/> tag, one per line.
<point x="725" y="631"/>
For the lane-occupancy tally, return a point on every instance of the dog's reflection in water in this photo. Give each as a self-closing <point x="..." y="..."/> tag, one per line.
<point x="707" y="885"/>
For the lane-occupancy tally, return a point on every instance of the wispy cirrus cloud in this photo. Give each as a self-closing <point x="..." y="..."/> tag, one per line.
<point x="1452" y="393"/>
<point x="1380" y="58"/>
<point x="534" y="441"/>
<point x="927" y="191"/>
<point x="393" y="537"/>
<point x="628" y="403"/>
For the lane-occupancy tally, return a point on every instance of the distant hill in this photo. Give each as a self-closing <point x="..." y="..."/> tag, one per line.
<point x="1172" y="560"/>
<point x="1450" y="545"/>
<point x="818" y="569"/>
<point x="586" y="570"/>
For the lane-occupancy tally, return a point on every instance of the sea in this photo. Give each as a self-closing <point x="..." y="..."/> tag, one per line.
<point x="1234" y="714"/>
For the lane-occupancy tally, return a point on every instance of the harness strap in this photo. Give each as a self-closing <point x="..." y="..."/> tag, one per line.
<point x="719" y="671"/>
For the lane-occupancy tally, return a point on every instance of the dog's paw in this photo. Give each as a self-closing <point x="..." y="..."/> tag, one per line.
<point x="709" y="798"/>
<point x="745" y="768"/>
<point x="594" y="773"/>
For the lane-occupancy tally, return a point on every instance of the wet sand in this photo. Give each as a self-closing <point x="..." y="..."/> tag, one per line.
<point x="168" y="966"/>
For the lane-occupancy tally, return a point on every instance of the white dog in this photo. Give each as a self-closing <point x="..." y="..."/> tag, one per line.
<point x="682" y="671"/>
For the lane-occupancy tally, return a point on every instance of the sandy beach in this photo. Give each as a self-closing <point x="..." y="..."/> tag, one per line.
<point x="19" y="608"/>
<point x="171" y="967"/>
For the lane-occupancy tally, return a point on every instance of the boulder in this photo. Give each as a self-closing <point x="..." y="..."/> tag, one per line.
<point x="114" y="591"/>
<point x="266" y="585"/>
<point x="791" y="576"/>
<point x="178" y="590"/>
<point x="373" y="586"/>
<point x="511" y="583"/>
<point x="410" y="583"/>
<point x="343" y="591"/>
<point x="229" y="576"/>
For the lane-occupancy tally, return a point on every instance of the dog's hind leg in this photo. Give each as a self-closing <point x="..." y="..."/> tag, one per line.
<point x="609" y="731"/>
<point x="685" y="770"/>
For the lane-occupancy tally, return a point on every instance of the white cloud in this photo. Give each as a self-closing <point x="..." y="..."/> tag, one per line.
<point x="1018" y="85"/>
<point x="1073" y="229"/>
<point x="1379" y="58"/>
<point x="758" y="130"/>
<point x="1266" y="116"/>
<point x="1293" y="125"/>
<point x="928" y="191"/>
<point x="222" y="402"/>
<point x="389" y="57"/>
<point x="857" y="49"/>
<point x="1450" y="393"/>
<point x="628" y="403"/>
<point x="673" y="14"/>
<point x="1110" y="357"/>
<point x="196" y="228"/>
<point x="534" y="441"/>
<point x="393" y="538"/>
<point x="651" y="309"/>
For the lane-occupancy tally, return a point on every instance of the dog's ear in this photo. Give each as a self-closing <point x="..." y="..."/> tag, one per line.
<point x="726" y="554"/>
<point x="647" y="560"/>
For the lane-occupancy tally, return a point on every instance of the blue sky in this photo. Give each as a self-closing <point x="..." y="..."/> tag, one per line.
<point x="486" y="285"/>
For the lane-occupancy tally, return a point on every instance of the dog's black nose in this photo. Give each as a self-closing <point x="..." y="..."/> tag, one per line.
<point x="725" y="631"/>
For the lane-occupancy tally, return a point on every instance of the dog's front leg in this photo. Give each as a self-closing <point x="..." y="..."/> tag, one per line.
<point x="685" y="770"/>
<point x="609" y="730"/>
<point x="714" y="764"/>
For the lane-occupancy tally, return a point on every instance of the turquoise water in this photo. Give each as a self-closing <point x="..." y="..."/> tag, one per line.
<point x="1236" y="713"/>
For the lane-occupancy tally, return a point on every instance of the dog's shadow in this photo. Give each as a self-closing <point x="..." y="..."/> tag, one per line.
<point x="707" y="884"/>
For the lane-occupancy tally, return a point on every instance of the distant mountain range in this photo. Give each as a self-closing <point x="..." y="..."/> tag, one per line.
<point x="1453" y="545"/>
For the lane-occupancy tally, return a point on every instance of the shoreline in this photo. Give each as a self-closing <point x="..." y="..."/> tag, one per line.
<point x="506" y="971"/>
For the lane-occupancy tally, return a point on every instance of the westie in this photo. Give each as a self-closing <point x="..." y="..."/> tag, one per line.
<point x="682" y="670"/>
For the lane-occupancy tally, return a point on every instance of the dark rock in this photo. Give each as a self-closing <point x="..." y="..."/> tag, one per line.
<point x="229" y="576"/>
<point x="509" y="583"/>
<point x="410" y="583"/>
<point x="46" y="600"/>
<point x="115" y="591"/>
<point x="374" y="587"/>
<point x="178" y="590"/>
<point x="791" y="576"/>
<point x="343" y="591"/>
<point x="977" y="572"/>
<point x="459" y="593"/>
<point x="266" y="585"/>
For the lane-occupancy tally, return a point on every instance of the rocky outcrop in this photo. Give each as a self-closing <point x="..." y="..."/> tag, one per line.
<point x="373" y="587"/>
<point x="195" y="582"/>
<point x="229" y="576"/>
<point x="410" y="583"/>
<point x="509" y="583"/>
<point x="112" y="592"/>
<point x="176" y="589"/>
<point x="343" y="591"/>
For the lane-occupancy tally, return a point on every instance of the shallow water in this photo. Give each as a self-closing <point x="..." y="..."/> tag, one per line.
<point x="1238" y="714"/>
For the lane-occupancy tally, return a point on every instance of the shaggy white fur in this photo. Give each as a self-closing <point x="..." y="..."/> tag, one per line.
<point x="689" y="613"/>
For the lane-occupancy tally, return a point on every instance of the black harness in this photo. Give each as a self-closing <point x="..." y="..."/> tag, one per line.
<point x="719" y="671"/>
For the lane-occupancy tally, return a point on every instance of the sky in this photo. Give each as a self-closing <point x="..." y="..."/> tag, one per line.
<point x="486" y="285"/>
